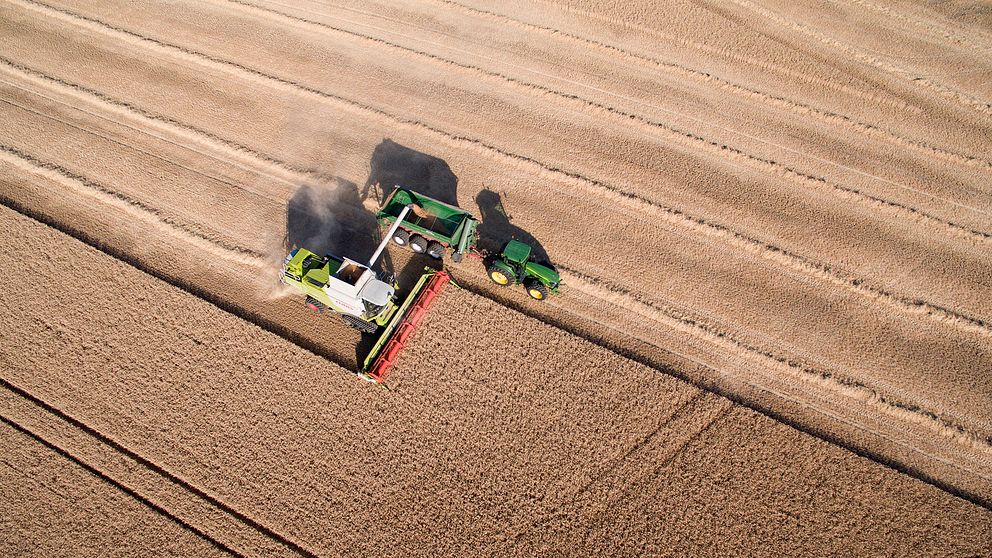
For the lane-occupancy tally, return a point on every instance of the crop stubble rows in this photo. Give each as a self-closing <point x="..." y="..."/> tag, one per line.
<point x="453" y="458"/>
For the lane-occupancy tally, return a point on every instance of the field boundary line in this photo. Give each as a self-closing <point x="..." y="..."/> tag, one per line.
<point x="666" y="132"/>
<point x="641" y="204"/>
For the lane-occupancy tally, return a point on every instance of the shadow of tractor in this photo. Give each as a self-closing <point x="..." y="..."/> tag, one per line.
<point x="496" y="229"/>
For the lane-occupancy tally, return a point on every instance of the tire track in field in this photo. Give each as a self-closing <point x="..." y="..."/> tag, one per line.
<point x="802" y="109"/>
<point x="963" y="99"/>
<point x="135" y="461"/>
<point x="689" y="428"/>
<point x="610" y="194"/>
<point x="96" y="472"/>
<point x="604" y="290"/>
<point x="653" y="128"/>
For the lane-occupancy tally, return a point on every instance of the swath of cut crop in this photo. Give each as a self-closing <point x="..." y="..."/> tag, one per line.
<point x="775" y="101"/>
<point x="81" y="185"/>
<point x="959" y="97"/>
<point x="681" y="137"/>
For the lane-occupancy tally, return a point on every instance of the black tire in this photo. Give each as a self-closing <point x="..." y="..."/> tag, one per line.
<point x="401" y="238"/>
<point x="359" y="324"/>
<point x="536" y="289"/>
<point x="456" y="257"/>
<point x="494" y="270"/>
<point x="315" y="305"/>
<point x="435" y="250"/>
<point x="418" y="244"/>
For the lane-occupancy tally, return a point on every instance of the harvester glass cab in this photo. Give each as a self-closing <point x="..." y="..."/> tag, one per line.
<point x="357" y="289"/>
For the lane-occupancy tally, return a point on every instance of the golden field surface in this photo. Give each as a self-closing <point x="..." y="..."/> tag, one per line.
<point x="773" y="221"/>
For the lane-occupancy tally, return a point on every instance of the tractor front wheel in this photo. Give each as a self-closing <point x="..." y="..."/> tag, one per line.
<point x="536" y="289"/>
<point x="500" y="275"/>
<point x="418" y="244"/>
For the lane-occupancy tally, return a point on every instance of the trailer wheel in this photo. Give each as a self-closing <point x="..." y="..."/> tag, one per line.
<point x="435" y="250"/>
<point x="315" y="305"/>
<point x="536" y="289"/>
<point x="418" y="244"/>
<point x="500" y="275"/>
<point x="401" y="238"/>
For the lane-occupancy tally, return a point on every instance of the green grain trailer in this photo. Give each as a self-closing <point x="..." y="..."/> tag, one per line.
<point x="432" y="227"/>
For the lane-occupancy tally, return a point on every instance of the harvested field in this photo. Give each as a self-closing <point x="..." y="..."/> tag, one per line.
<point x="274" y="450"/>
<point x="774" y="228"/>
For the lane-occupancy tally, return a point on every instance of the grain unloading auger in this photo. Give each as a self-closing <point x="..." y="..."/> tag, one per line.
<point x="364" y="299"/>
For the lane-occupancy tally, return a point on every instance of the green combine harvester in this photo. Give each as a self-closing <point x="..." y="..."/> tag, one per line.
<point x="434" y="227"/>
<point x="367" y="301"/>
<point x="364" y="299"/>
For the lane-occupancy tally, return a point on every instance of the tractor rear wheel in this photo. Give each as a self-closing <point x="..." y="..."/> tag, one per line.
<point x="418" y="244"/>
<point x="359" y="324"/>
<point x="401" y="238"/>
<point x="536" y="289"/>
<point x="435" y="250"/>
<point x="315" y="305"/>
<point x="500" y="275"/>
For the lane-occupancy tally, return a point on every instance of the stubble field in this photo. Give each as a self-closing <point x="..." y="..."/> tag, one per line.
<point x="773" y="225"/>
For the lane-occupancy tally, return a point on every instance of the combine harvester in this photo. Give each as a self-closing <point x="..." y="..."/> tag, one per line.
<point x="364" y="299"/>
<point x="367" y="301"/>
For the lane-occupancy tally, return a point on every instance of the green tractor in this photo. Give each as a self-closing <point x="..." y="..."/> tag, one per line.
<point x="517" y="264"/>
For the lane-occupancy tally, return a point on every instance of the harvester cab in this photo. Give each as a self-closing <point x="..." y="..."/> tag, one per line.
<point x="516" y="264"/>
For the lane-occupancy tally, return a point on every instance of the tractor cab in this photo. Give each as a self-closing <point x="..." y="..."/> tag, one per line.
<point x="516" y="264"/>
<point x="517" y="252"/>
